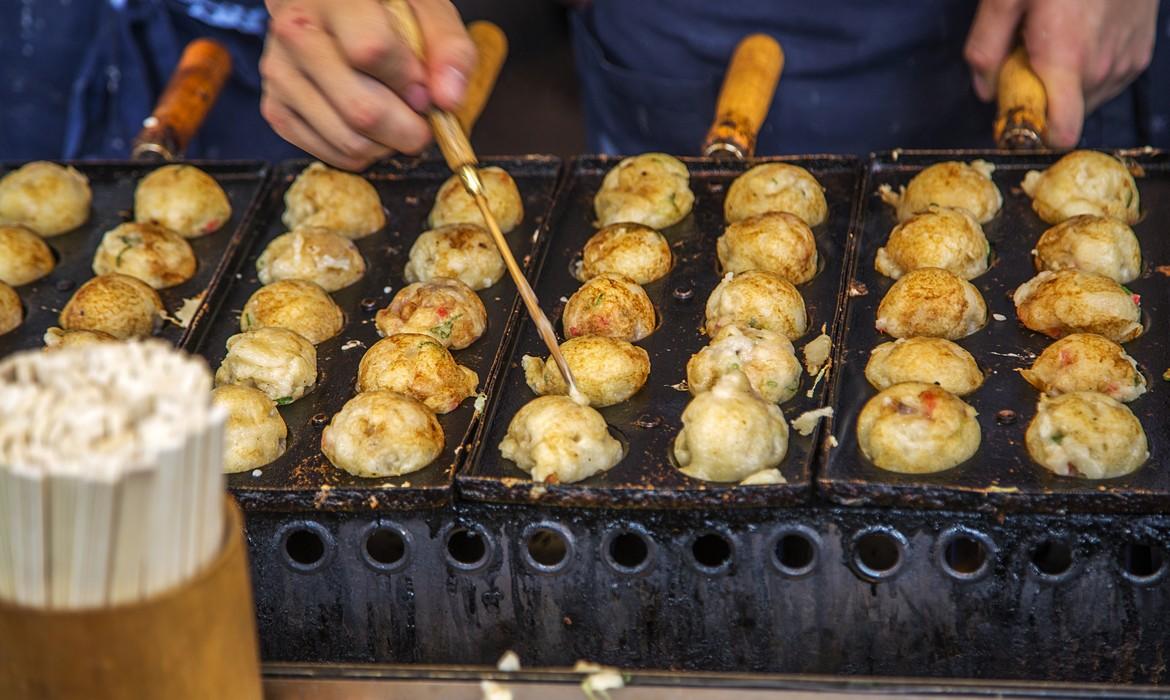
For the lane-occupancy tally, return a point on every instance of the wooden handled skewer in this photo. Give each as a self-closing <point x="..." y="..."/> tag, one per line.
<point x="491" y="47"/>
<point x="193" y="88"/>
<point x="1022" y="120"/>
<point x="745" y="97"/>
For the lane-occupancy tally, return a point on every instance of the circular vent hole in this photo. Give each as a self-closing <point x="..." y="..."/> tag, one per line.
<point x="304" y="547"/>
<point x="1052" y="557"/>
<point x="547" y="547"/>
<point x="795" y="552"/>
<point x="628" y="550"/>
<point x="466" y="547"/>
<point x="385" y="546"/>
<point x="877" y="553"/>
<point x="1141" y="560"/>
<point x="711" y="551"/>
<point x="964" y="555"/>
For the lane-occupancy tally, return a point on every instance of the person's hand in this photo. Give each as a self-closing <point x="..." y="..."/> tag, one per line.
<point x="1085" y="52"/>
<point x="339" y="82"/>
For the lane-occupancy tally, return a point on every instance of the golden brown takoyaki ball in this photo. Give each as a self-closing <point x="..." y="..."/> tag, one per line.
<point x="465" y="252"/>
<point x="652" y="189"/>
<point x="24" y="256"/>
<point x="1086" y="362"/>
<point x="344" y="203"/>
<point x="950" y="184"/>
<point x="1083" y="182"/>
<point x="279" y="362"/>
<point x="609" y="305"/>
<point x="298" y="305"/>
<point x="1071" y="301"/>
<point x="48" y="198"/>
<point x="1088" y="435"/>
<point x="757" y="299"/>
<point x="380" y="434"/>
<point x="445" y="309"/>
<point x="776" y="242"/>
<point x="917" y="428"/>
<point x="56" y="338"/>
<point x="11" y="310"/>
<point x="941" y="237"/>
<point x="926" y="360"/>
<point x="766" y="358"/>
<point x="606" y="370"/>
<point x="183" y="199"/>
<point x="153" y="254"/>
<point x="558" y="441"/>
<point x="418" y="366"/>
<point x="931" y="302"/>
<point x="1091" y="243"/>
<point x="454" y="206"/>
<point x="254" y="434"/>
<point x="314" y="254"/>
<point x="636" y="251"/>
<point x="772" y="187"/>
<point x="118" y="305"/>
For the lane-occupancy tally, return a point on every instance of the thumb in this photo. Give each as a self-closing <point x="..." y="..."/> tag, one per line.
<point x="1066" y="101"/>
<point x="993" y="33"/>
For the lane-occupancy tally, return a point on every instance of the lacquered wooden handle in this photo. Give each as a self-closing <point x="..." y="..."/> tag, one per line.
<point x="194" y="86"/>
<point x="492" y="47"/>
<point x="745" y="97"/>
<point x="1022" y="121"/>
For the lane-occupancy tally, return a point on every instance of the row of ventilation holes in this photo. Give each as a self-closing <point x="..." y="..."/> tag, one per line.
<point x="877" y="553"/>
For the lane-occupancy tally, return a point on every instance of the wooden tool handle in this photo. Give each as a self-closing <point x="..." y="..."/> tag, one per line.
<point x="1022" y="121"/>
<point x="745" y="97"/>
<point x="492" y="47"/>
<point x="188" y="97"/>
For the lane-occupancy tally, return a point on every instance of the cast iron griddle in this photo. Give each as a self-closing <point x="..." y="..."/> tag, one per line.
<point x="1001" y="475"/>
<point x="648" y="423"/>
<point x="303" y="478"/>
<point x="113" y="184"/>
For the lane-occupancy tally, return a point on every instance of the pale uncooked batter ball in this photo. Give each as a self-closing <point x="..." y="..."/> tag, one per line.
<point x="24" y="256"/>
<point x="11" y="310"/>
<point x="606" y="370"/>
<point x="609" y="305"/>
<point x="465" y="252"/>
<point x="48" y="198"/>
<point x="925" y="360"/>
<point x="344" y="203"/>
<point x="757" y="299"/>
<point x="454" y="206"/>
<point x="946" y="238"/>
<point x="1071" y="301"/>
<point x="445" y="309"/>
<point x="558" y="441"/>
<point x="277" y="361"/>
<point x="380" y="434"/>
<point x="1083" y="182"/>
<point x="776" y="187"/>
<point x="297" y="305"/>
<point x="314" y="254"/>
<point x="254" y="434"/>
<point x="652" y="189"/>
<point x="931" y="302"/>
<point x="1086" y="362"/>
<point x="636" y="251"/>
<point x="153" y="254"/>
<point x="1091" y="243"/>
<point x="917" y="428"/>
<point x="1087" y="435"/>
<point x="420" y="367"/>
<point x="776" y="242"/>
<point x="56" y="338"/>
<point x="183" y="199"/>
<point x="950" y="184"/>
<point x="729" y="433"/>
<point x="118" y="305"/>
<point x="766" y="358"/>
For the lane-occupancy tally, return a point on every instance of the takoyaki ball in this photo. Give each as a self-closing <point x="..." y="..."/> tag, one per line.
<point x="1086" y="362"/>
<point x="776" y="242"/>
<point x="314" y="254"/>
<point x="254" y="434"/>
<point x="776" y="187"/>
<point x="48" y="198"/>
<point x="925" y="360"/>
<point x="380" y="434"/>
<point x="1083" y="182"/>
<point x="24" y="256"/>
<point x="729" y="432"/>
<point x="454" y="206"/>
<point x="118" y="305"/>
<point x="417" y="366"/>
<point x="557" y="441"/>
<point x="652" y="189"/>
<point x="766" y="358"/>
<point x="298" y="305"/>
<point x="636" y="251"/>
<point x="277" y="361"/>
<point x="950" y="239"/>
<point x="917" y="428"/>
<point x="465" y="252"/>
<point x="950" y="184"/>
<point x="153" y="254"/>
<point x="1088" y="435"/>
<point x="344" y="203"/>
<point x="609" y="305"/>
<point x="931" y="302"/>
<point x="183" y="199"/>
<point x="1071" y="301"/>
<point x="56" y="338"/>
<point x="445" y="309"/>
<point x="11" y="310"/>
<point x="1091" y="243"/>
<point x="606" y="370"/>
<point x="757" y="299"/>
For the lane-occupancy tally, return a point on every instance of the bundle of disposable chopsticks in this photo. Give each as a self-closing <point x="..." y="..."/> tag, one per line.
<point x="111" y="478"/>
